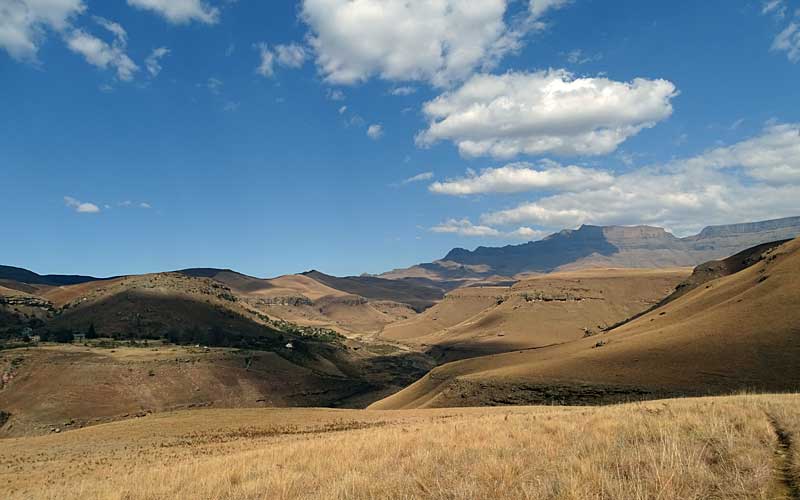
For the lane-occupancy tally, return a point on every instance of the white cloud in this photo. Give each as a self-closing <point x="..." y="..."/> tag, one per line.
<point x="519" y="177"/>
<point x="375" y="132"/>
<point x="81" y="207"/>
<point x="738" y="123"/>
<point x="403" y="91"/>
<point x="231" y="106"/>
<point x="335" y="95"/>
<point x="578" y="56"/>
<point x="424" y="176"/>
<point x="772" y="157"/>
<point x="153" y="61"/>
<point x="24" y="23"/>
<point x="266" y="66"/>
<point x="292" y="55"/>
<point x="144" y="205"/>
<point x="464" y="227"/>
<point x="441" y="42"/>
<point x="545" y="112"/>
<point x="120" y="35"/>
<point x="342" y="110"/>
<point x="539" y="8"/>
<point x="214" y="85"/>
<point x="529" y="234"/>
<point x="180" y="11"/>
<point x="788" y="41"/>
<point x="101" y="54"/>
<point x="776" y="7"/>
<point x="758" y="178"/>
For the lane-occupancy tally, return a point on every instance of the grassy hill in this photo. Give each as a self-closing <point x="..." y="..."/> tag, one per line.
<point x="534" y="312"/>
<point x="725" y="447"/>
<point x="740" y="331"/>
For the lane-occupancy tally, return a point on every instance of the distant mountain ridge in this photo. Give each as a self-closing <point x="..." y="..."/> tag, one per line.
<point x="25" y="276"/>
<point x="604" y="246"/>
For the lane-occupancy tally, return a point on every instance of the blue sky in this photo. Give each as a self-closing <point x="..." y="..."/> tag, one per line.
<point x="276" y="137"/>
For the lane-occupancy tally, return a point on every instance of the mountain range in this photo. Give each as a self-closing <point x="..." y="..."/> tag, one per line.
<point x="602" y="246"/>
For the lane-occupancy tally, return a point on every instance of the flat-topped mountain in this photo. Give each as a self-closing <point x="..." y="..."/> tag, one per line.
<point x="604" y="246"/>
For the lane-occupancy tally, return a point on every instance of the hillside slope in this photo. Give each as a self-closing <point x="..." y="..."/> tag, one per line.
<point x="535" y="312"/>
<point x="736" y="332"/>
<point x="690" y="448"/>
<point x="419" y="294"/>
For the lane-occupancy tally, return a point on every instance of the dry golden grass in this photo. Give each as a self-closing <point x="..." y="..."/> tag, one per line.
<point x="535" y="312"/>
<point x="690" y="449"/>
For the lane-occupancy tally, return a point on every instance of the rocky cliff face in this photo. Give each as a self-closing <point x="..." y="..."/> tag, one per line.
<point x="609" y="246"/>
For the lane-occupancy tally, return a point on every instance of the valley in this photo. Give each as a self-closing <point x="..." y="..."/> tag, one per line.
<point x="153" y="378"/>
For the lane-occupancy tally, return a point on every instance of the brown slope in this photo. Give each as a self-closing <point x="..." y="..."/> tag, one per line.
<point x="737" y="332"/>
<point x="419" y="294"/>
<point x="301" y="299"/>
<point x="535" y="312"/>
<point x="151" y="305"/>
<point x="46" y="387"/>
<point x="456" y="307"/>
<point x="287" y="285"/>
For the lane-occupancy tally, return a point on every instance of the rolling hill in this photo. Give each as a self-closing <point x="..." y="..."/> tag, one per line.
<point x="740" y="331"/>
<point x="254" y="359"/>
<point x="605" y="247"/>
<point x="534" y="312"/>
<point x="20" y="275"/>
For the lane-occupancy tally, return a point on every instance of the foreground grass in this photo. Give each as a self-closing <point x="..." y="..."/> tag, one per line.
<point x="689" y="449"/>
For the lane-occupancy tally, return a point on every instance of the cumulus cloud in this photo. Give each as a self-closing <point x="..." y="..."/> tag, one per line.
<point x="539" y="7"/>
<point x="772" y="157"/>
<point x="413" y="40"/>
<point x="291" y="55"/>
<point x="758" y="178"/>
<point x="519" y="177"/>
<point x="464" y="227"/>
<point x="526" y="233"/>
<point x="545" y="112"/>
<point x="24" y="23"/>
<point x="180" y="11"/>
<point x="788" y="41"/>
<point x="776" y="7"/>
<point x="266" y="65"/>
<point x="375" y="131"/>
<point x="153" y="61"/>
<point x="81" y="207"/>
<point x="100" y="53"/>
<point x="403" y="91"/>
<point x="424" y="176"/>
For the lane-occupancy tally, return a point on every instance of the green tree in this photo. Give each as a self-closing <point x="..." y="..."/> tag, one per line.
<point x="91" y="333"/>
